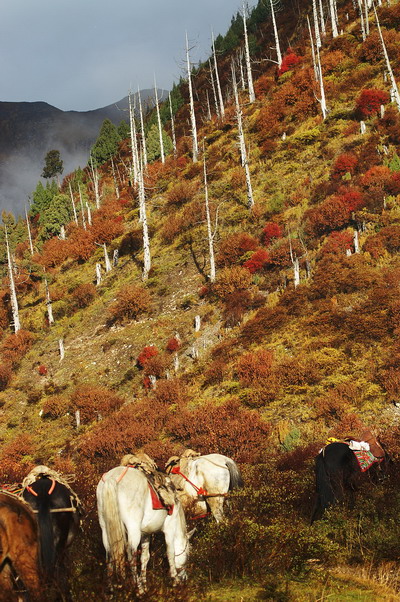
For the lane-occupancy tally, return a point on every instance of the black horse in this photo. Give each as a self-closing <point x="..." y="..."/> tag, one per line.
<point x="337" y="472"/>
<point x="58" y="516"/>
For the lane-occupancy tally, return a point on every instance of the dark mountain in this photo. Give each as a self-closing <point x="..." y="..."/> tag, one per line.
<point x="28" y="130"/>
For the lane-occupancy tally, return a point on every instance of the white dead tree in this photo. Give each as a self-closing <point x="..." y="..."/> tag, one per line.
<point x="142" y="132"/>
<point x="366" y="7"/>
<point x="210" y="233"/>
<point x="208" y="107"/>
<point x="316" y="25"/>
<point x="48" y="304"/>
<point x="82" y="209"/>
<point x="252" y="95"/>
<point x="89" y="214"/>
<point x="107" y="261"/>
<point x="172" y="125"/>
<point x="362" y="24"/>
<point x="134" y="148"/>
<point x="322" y="99"/>
<point x="394" y="92"/>
<point x="61" y="349"/>
<point x="159" y="123"/>
<point x="13" y="292"/>
<point x="145" y="230"/>
<point x="314" y="60"/>
<point x="333" y="15"/>
<point x="195" y="146"/>
<point x="94" y="176"/>
<point x="277" y="45"/>
<point x="216" y="103"/>
<point x="242" y="142"/>
<point x="29" y="231"/>
<point x="98" y="274"/>
<point x="73" y="204"/>
<point x="322" y="18"/>
<point x="116" y="187"/>
<point x="217" y="80"/>
<point x="63" y="235"/>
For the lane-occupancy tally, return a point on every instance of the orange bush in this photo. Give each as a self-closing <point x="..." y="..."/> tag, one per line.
<point x="5" y="376"/>
<point x="180" y="193"/>
<point x="54" y="253"/>
<point x="15" y="346"/>
<point x="55" y="406"/>
<point x="81" y="244"/>
<point x="345" y="163"/>
<point x="234" y="247"/>
<point x="16" y="459"/>
<point x="93" y="402"/>
<point x="254" y="367"/>
<point x="231" y="280"/>
<point x="370" y="100"/>
<point x="83" y="294"/>
<point x="105" y="228"/>
<point x="131" y="301"/>
<point x="146" y="354"/>
<point x="172" y="391"/>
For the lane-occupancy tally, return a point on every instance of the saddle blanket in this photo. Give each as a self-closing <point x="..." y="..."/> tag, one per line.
<point x="365" y="459"/>
<point x="157" y="502"/>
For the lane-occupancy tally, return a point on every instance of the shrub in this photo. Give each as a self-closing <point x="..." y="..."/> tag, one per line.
<point x="289" y="61"/>
<point x="83" y="295"/>
<point x="15" y="346"/>
<point x="230" y="280"/>
<point x="172" y="391"/>
<point x="174" y="344"/>
<point x="216" y="372"/>
<point x="254" y="367"/>
<point x="42" y="370"/>
<point x="5" y="376"/>
<point x="337" y="243"/>
<point x="157" y="365"/>
<point x="345" y="163"/>
<point x="145" y="355"/>
<point x="54" y="253"/>
<point x="181" y="193"/>
<point x="234" y="247"/>
<point x="93" y="402"/>
<point x="266" y="320"/>
<point x="271" y="231"/>
<point x="105" y="228"/>
<point x="173" y="226"/>
<point x="235" y="305"/>
<point x="81" y="244"/>
<point x="16" y="459"/>
<point x="257" y="261"/>
<point x="370" y="100"/>
<point x="55" y="407"/>
<point x="131" y="301"/>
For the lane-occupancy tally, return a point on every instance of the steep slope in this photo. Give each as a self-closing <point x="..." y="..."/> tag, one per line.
<point x="295" y="341"/>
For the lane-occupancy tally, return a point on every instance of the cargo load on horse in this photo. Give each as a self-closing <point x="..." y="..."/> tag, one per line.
<point x="203" y="482"/>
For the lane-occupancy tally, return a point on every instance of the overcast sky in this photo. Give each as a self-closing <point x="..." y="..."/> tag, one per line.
<point x="85" y="54"/>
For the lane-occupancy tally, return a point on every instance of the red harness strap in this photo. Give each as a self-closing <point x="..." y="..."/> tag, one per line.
<point x="50" y="491"/>
<point x="199" y="490"/>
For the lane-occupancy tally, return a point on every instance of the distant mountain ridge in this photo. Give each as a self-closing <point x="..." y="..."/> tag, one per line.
<point x="28" y="130"/>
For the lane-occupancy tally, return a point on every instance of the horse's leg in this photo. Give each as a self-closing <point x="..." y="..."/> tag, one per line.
<point x="170" y="545"/>
<point x="216" y="505"/>
<point x="133" y="541"/>
<point x="144" y="559"/>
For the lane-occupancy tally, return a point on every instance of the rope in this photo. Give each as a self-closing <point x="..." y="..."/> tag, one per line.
<point x="199" y="490"/>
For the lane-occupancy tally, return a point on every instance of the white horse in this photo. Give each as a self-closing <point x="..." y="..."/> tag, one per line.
<point x="204" y="481"/>
<point x="127" y="519"/>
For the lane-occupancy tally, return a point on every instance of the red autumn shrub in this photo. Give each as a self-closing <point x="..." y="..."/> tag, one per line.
<point x="271" y="231"/>
<point x="388" y="238"/>
<point x="236" y="304"/>
<point x="83" y="294"/>
<point x="370" y="100"/>
<point x="5" y="376"/>
<point x="105" y="228"/>
<point x="54" y="253"/>
<point x="15" y="346"/>
<point x="228" y="428"/>
<point x="253" y="367"/>
<point x="263" y="84"/>
<point x="94" y="402"/>
<point x="234" y="246"/>
<point x="81" y="244"/>
<point x="337" y="243"/>
<point x="157" y="365"/>
<point x="345" y="163"/>
<point x="174" y="344"/>
<point x="16" y="459"/>
<point x="266" y="320"/>
<point x="173" y="226"/>
<point x="42" y="370"/>
<point x="147" y="353"/>
<point x="216" y="372"/>
<point x="257" y="261"/>
<point x="332" y="60"/>
<point x="231" y="280"/>
<point x="289" y="61"/>
<point x="172" y="391"/>
<point x="131" y="301"/>
<point x="334" y="213"/>
<point x="280" y="253"/>
<point x="55" y="406"/>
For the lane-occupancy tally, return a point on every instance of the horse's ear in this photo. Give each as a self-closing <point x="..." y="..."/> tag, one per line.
<point x="191" y="533"/>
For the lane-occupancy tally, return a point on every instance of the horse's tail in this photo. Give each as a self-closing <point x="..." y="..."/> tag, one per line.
<point x="46" y="532"/>
<point x="325" y="493"/>
<point x="235" y="477"/>
<point x="115" y="530"/>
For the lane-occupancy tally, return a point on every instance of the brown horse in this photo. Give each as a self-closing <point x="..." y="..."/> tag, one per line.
<point x="19" y="550"/>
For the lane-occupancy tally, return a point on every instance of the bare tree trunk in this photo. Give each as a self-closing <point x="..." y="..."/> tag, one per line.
<point x="322" y="100"/>
<point x="172" y="125"/>
<point x="116" y="188"/>
<point x="61" y="349"/>
<point x="62" y="233"/>
<point x="252" y="95"/>
<point x="316" y="26"/>
<point x="217" y="80"/>
<point x="13" y="292"/>
<point x="242" y="142"/>
<point x="366" y="18"/>
<point x="82" y="209"/>
<point x="89" y="214"/>
<point x="29" y="231"/>
<point x="208" y="107"/>
<point x="107" y="262"/>
<point x="134" y="148"/>
<point x="322" y="18"/>
<point x="159" y="124"/>
<point x="277" y="45"/>
<point x="192" y="113"/>
<point x="333" y="13"/>
<point x="143" y="136"/>
<point x="362" y="24"/>
<point x="145" y="231"/>
<point x="73" y="204"/>
<point x="48" y="304"/>
<point x="209" y="230"/>
<point x="214" y="90"/>
<point x="94" y="174"/>
<point x="98" y="274"/>
<point x="394" y="90"/>
<point x="313" y="51"/>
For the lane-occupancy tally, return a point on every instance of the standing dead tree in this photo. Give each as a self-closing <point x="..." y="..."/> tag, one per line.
<point x="195" y="146"/>
<point x="241" y="138"/>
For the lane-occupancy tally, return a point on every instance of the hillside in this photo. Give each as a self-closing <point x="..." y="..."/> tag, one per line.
<point x="296" y="339"/>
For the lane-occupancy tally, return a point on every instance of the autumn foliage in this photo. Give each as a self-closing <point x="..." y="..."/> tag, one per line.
<point x="131" y="301"/>
<point x="94" y="402"/>
<point x="370" y="100"/>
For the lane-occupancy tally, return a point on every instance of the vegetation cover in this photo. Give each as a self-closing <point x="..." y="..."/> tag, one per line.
<point x="267" y="318"/>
